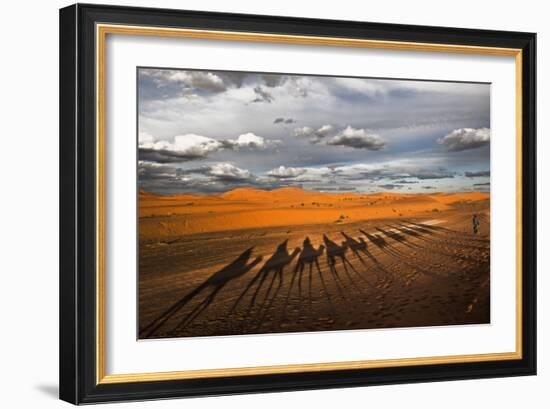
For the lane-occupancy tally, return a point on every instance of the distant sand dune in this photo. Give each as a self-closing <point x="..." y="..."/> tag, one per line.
<point x="245" y="208"/>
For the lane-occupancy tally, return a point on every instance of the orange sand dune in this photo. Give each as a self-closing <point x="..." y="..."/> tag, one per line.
<point x="244" y="208"/>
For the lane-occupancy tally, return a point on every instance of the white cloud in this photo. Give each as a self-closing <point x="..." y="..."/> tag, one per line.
<point x="321" y="133"/>
<point x="315" y="135"/>
<point x="283" y="172"/>
<point x="304" y="131"/>
<point x="247" y="140"/>
<point x="324" y="130"/>
<point x="367" y="87"/>
<point x="417" y="169"/>
<point x="227" y="171"/>
<point x="358" y="139"/>
<point x="465" y="138"/>
<point x="190" y="79"/>
<point x="184" y="147"/>
<point x="192" y="146"/>
<point x="405" y="115"/>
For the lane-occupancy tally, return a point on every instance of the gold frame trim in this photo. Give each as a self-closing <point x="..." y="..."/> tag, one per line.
<point x="102" y="30"/>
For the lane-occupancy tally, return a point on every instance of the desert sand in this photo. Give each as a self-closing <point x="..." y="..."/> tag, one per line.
<point x="252" y="261"/>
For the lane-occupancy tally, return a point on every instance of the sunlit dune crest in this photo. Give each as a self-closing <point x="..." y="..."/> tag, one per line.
<point x="244" y="208"/>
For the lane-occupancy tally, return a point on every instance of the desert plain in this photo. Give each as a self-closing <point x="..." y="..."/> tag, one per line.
<point x="253" y="261"/>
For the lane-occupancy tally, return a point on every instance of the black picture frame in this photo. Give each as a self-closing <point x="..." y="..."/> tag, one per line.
<point x="78" y="258"/>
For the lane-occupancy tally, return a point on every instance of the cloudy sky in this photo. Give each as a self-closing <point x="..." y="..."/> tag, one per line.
<point x="213" y="131"/>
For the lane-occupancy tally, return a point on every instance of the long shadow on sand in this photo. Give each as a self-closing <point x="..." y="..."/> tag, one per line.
<point x="425" y="238"/>
<point x="359" y="248"/>
<point x="379" y="242"/>
<point x="308" y="257"/>
<point x="457" y="235"/>
<point x="437" y="243"/>
<point x="273" y="267"/>
<point x="216" y="282"/>
<point x="335" y="252"/>
<point x="400" y="255"/>
<point x="399" y="238"/>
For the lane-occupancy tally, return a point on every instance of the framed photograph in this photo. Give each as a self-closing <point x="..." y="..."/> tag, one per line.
<point x="257" y="203"/>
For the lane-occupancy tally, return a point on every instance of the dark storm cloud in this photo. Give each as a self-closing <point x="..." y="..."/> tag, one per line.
<point x="198" y="170"/>
<point x="402" y="174"/>
<point x="167" y="83"/>
<point x="262" y="95"/>
<point x="213" y="178"/>
<point x="337" y="188"/>
<point x="273" y="80"/>
<point x="281" y="120"/>
<point x="405" y="178"/>
<point x="152" y="170"/>
<point x="206" y="81"/>
<point x="477" y="173"/>
<point x="433" y="175"/>
<point x="233" y="78"/>
<point x="465" y="139"/>
<point x="406" y="182"/>
<point x="402" y="93"/>
<point x="167" y="156"/>
<point x="218" y="171"/>
<point x="389" y="186"/>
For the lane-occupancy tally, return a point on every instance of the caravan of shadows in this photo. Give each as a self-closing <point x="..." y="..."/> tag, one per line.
<point x="383" y="273"/>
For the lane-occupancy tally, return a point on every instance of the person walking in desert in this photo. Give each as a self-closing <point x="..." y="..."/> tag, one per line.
<point x="475" y="223"/>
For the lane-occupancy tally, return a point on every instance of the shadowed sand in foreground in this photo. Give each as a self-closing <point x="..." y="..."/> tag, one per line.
<point x="386" y="261"/>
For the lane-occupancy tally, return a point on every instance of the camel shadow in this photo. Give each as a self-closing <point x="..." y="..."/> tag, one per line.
<point x="405" y="230"/>
<point x="273" y="267"/>
<point x="334" y="252"/>
<point x="399" y="254"/>
<point x="216" y="282"/>
<point x="400" y="239"/>
<point x="379" y="241"/>
<point x="416" y="232"/>
<point x="434" y="236"/>
<point x="393" y="235"/>
<point x="419" y="229"/>
<point x="309" y="256"/>
<point x="431" y="227"/>
<point x="437" y="244"/>
<point x="359" y="247"/>
<point x="375" y="239"/>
